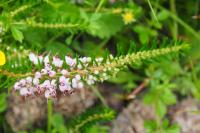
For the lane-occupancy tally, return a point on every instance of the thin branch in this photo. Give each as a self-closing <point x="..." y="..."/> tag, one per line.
<point x="137" y="90"/>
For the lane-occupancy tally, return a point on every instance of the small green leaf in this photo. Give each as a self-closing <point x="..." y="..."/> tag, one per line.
<point x="57" y="120"/>
<point x="3" y="103"/>
<point x="160" y="109"/>
<point x="150" y="126"/>
<point x="17" y="34"/>
<point x="168" y="97"/>
<point x="173" y="129"/>
<point x="162" y="15"/>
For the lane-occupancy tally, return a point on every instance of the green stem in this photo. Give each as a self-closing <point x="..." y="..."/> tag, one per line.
<point x="174" y="27"/>
<point x="158" y="121"/>
<point x="49" y="113"/>
<point x="196" y="12"/>
<point x="99" y="6"/>
<point x="96" y="91"/>
<point x="152" y="10"/>
<point x="180" y="21"/>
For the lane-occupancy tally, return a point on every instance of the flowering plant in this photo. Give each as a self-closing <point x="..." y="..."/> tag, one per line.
<point x="67" y="75"/>
<point x="61" y="58"/>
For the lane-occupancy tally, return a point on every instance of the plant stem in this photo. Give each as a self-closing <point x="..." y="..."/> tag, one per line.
<point x="196" y="12"/>
<point x="180" y="21"/>
<point x="174" y="28"/>
<point x="49" y="113"/>
<point x="137" y="90"/>
<point x="102" y="99"/>
<point x="99" y="6"/>
<point x="153" y="12"/>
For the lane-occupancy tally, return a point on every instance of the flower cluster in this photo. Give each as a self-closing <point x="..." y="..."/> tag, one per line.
<point x="59" y="75"/>
<point x="65" y="75"/>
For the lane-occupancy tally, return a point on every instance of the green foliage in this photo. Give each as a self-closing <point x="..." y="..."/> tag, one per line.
<point x="3" y="102"/>
<point x="160" y="94"/>
<point x="104" y="25"/>
<point x="17" y="34"/>
<point x="87" y="120"/>
<point x="165" y="127"/>
<point x="98" y="28"/>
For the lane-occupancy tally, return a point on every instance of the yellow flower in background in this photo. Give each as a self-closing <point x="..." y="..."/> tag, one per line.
<point x="117" y="10"/>
<point x="2" y="58"/>
<point x="128" y="17"/>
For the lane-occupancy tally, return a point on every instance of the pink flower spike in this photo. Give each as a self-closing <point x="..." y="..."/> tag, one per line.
<point x="53" y="82"/>
<point x="64" y="72"/>
<point x="36" y="81"/>
<point x="46" y="59"/>
<point x="57" y="62"/>
<point x="29" y="79"/>
<point x="71" y="62"/>
<point x="46" y="84"/>
<point x="47" y="94"/>
<point x="17" y="86"/>
<point x="51" y="73"/>
<point x="48" y="67"/>
<point x="43" y="71"/>
<point x="33" y="58"/>
<point x="23" y="92"/>
<point x="78" y="77"/>
<point x="80" y="85"/>
<point x="22" y="82"/>
<point x="38" y="75"/>
<point x="62" y="79"/>
<point x="40" y="58"/>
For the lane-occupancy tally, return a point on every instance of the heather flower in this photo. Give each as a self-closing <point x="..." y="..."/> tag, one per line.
<point x="51" y="73"/>
<point x="40" y="58"/>
<point x="71" y="62"/>
<point x="78" y="77"/>
<point x="64" y="84"/>
<point x="46" y="59"/>
<point x="64" y="72"/>
<point x="79" y="66"/>
<point x="36" y="81"/>
<point x="24" y="92"/>
<point x="29" y="79"/>
<point x="43" y="71"/>
<point x="38" y="75"/>
<point x="33" y="58"/>
<point x="17" y="86"/>
<point x="57" y="62"/>
<point x="48" y="67"/>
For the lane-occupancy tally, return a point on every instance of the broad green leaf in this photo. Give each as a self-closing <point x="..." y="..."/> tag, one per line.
<point x="17" y="34"/>
<point x="104" y="25"/>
